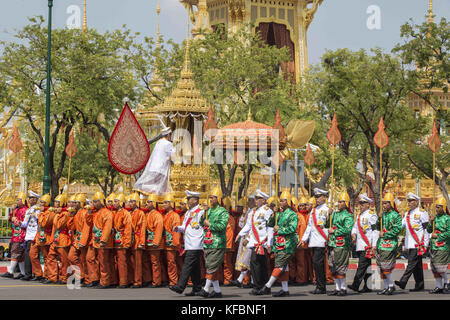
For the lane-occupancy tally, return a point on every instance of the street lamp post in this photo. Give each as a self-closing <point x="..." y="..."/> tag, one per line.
<point x="46" y="180"/>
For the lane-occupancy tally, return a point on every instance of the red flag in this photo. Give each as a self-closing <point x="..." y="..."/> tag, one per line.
<point x="434" y="143"/>
<point x="334" y="135"/>
<point x="309" y="156"/>
<point x="15" y="145"/>
<point x="381" y="139"/>
<point x="71" y="149"/>
<point x="128" y="149"/>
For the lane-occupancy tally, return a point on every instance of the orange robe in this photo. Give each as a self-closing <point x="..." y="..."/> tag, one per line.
<point x="298" y="266"/>
<point x="154" y="243"/>
<point x="172" y="245"/>
<point x="42" y="243"/>
<point x="138" y="227"/>
<point x="59" y="248"/>
<point x="91" y="254"/>
<point x="102" y="232"/>
<point x="77" y="253"/>
<point x="228" y="265"/>
<point x="122" y="226"/>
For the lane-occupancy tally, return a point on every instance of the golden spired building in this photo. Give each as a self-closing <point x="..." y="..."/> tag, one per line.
<point x="183" y="109"/>
<point x="283" y="23"/>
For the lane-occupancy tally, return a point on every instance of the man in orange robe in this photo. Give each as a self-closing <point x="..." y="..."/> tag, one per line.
<point x="43" y="239"/>
<point x="154" y="240"/>
<point x="228" y="265"/>
<point x="298" y="270"/>
<point x="59" y="249"/>
<point x="138" y="246"/>
<point x="172" y="238"/>
<point x="122" y="227"/>
<point x="78" y="252"/>
<point x="102" y="222"/>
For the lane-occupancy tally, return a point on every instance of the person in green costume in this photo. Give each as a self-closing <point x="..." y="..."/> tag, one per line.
<point x="285" y="238"/>
<point x="387" y="243"/>
<point x="440" y="245"/>
<point x="214" y="243"/>
<point x="339" y="243"/>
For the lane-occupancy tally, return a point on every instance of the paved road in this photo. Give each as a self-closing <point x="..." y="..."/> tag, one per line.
<point x="17" y="289"/>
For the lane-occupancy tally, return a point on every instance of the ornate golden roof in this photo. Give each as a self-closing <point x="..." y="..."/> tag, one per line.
<point x="185" y="97"/>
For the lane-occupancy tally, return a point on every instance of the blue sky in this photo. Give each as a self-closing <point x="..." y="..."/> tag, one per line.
<point x="338" y="23"/>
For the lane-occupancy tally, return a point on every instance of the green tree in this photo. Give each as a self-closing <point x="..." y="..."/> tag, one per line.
<point x="91" y="75"/>
<point x="361" y="88"/>
<point x="426" y="50"/>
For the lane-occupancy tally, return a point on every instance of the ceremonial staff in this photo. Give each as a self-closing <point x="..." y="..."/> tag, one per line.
<point x="15" y="145"/>
<point x="334" y="137"/>
<point x="434" y="143"/>
<point x="309" y="160"/>
<point x="381" y="140"/>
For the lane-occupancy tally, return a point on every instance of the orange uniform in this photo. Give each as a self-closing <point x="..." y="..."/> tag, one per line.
<point x="122" y="243"/>
<point x="138" y="235"/>
<point x="172" y="244"/>
<point x="77" y="253"/>
<point x="102" y="233"/>
<point x="298" y="265"/>
<point x="228" y="266"/>
<point x="91" y="254"/>
<point x="59" y="248"/>
<point x="42" y="241"/>
<point x="154" y="243"/>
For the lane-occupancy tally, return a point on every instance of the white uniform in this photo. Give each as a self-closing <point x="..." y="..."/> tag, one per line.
<point x="367" y="220"/>
<point x="259" y="216"/>
<point x="311" y="235"/>
<point x="417" y="218"/>
<point x="31" y="223"/>
<point x="193" y="232"/>
<point x="155" y="178"/>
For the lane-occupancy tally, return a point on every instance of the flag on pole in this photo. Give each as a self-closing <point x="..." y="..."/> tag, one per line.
<point x="71" y="149"/>
<point x="15" y="145"/>
<point x="334" y="135"/>
<point x="434" y="143"/>
<point x="381" y="139"/>
<point x="309" y="156"/>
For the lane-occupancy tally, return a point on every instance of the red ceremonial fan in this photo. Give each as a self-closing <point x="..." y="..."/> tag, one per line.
<point x="128" y="149"/>
<point x="334" y="135"/>
<point x="434" y="143"/>
<point x="381" y="139"/>
<point x="15" y="145"/>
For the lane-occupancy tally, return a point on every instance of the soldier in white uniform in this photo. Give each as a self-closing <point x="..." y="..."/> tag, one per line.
<point x="365" y="235"/>
<point x="415" y="222"/>
<point x="30" y="222"/>
<point x="316" y="235"/>
<point x="259" y="240"/>
<point x="193" y="245"/>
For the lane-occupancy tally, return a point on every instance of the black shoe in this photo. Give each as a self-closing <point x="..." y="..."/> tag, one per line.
<point x="280" y="294"/>
<point x="382" y="291"/>
<point x="146" y="284"/>
<point x="49" y="282"/>
<point x="333" y="293"/>
<point x="26" y="278"/>
<point x="318" y="291"/>
<point x="60" y="282"/>
<point x="365" y="289"/>
<point x="176" y="289"/>
<point x="36" y="278"/>
<point x="353" y="287"/>
<point x="7" y="275"/>
<point x="123" y="287"/>
<point x="192" y="293"/>
<point x="254" y="292"/>
<point x="400" y="284"/>
<point x="246" y="286"/>
<point x="155" y="286"/>
<point x="19" y="276"/>
<point x="342" y="293"/>
<point x="43" y="280"/>
<point x="436" y="291"/>
<point x="215" y="294"/>
<point x="417" y="289"/>
<point x="93" y="284"/>
<point x="105" y="287"/>
<point x="235" y="283"/>
<point x="136" y="286"/>
<point x="263" y="291"/>
<point x="390" y="291"/>
<point x="202" y="293"/>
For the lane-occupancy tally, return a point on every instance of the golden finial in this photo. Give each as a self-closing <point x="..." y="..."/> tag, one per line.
<point x="84" y="28"/>
<point x="430" y="12"/>
<point x="187" y="61"/>
<point x="158" y="11"/>
<point x="249" y="116"/>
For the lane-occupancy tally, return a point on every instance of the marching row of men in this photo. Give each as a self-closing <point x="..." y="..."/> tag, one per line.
<point x="120" y="242"/>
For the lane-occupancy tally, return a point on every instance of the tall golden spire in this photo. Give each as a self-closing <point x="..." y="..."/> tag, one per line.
<point x="84" y="28"/>
<point x="158" y="11"/>
<point x="430" y="12"/>
<point x="156" y="83"/>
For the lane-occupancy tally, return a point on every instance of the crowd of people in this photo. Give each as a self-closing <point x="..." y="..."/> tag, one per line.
<point x="138" y="241"/>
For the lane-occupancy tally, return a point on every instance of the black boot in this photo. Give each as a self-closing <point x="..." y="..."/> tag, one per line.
<point x="366" y="289"/>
